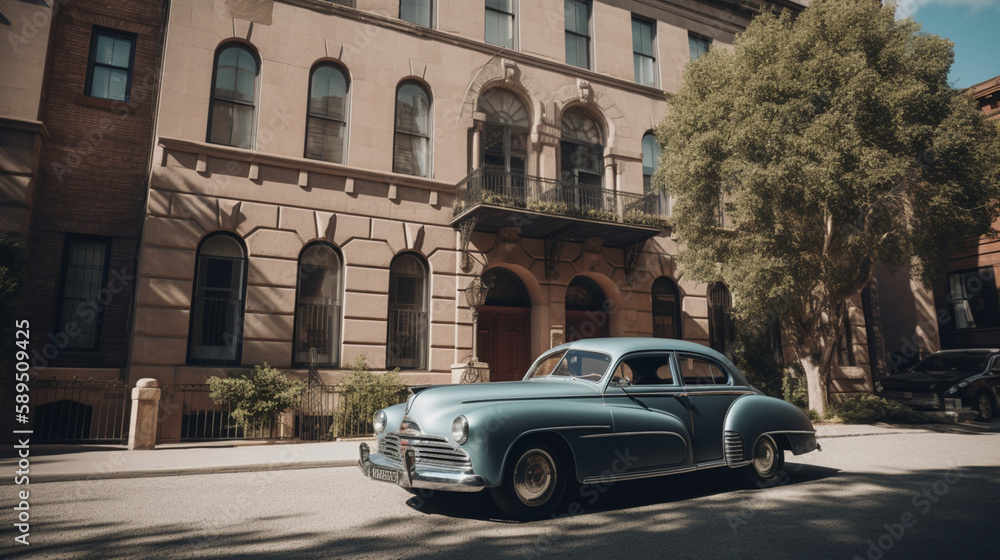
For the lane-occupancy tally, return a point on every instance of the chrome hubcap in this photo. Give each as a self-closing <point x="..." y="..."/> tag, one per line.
<point x="534" y="477"/>
<point x="765" y="457"/>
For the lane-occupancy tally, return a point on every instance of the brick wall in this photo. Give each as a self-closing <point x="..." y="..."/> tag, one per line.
<point x="93" y="168"/>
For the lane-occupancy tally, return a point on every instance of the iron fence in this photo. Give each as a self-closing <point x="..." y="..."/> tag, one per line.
<point x="79" y="410"/>
<point x="323" y="412"/>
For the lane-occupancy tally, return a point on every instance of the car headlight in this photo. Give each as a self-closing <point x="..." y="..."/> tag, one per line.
<point x="460" y="430"/>
<point x="379" y="422"/>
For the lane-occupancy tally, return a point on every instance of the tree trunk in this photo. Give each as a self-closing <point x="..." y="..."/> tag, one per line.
<point x="817" y="384"/>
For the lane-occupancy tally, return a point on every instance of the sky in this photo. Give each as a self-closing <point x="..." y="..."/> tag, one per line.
<point x="974" y="27"/>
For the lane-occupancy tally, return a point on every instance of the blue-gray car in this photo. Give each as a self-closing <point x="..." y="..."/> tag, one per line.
<point x="593" y="411"/>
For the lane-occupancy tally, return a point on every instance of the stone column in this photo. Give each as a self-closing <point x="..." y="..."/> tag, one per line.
<point x="145" y="411"/>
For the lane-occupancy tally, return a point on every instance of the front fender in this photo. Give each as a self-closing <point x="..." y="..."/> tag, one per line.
<point x="496" y="428"/>
<point x="751" y="416"/>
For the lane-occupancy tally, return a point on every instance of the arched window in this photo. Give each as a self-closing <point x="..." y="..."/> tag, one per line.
<point x="505" y="132"/>
<point x="506" y="289"/>
<point x="406" y="346"/>
<point x="317" y="311"/>
<point x="650" y="160"/>
<point x="666" y="309"/>
<point x="720" y="320"/>
<point x="216" y="333"/>
<point x="231" y="119"/>
<point x="581" y="149"/>
<point x="326" y="126"/>
<point x="586" y="310"/>
<point x="412" y="143"/>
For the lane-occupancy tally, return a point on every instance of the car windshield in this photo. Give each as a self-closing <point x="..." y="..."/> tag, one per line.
<point x="574" y="364"/>
<point x="958" y="362"/>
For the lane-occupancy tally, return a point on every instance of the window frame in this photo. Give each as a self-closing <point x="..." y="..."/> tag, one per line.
<point x="652" y="48"/>
<point x="60" y="326"/>
<point x="576" y="33"/>
<point x="347" y="110"/>
<point x="256" y="95"/>
<point x="678" y="315"/>
<point x="713" y="364"/>
<point x="337" y="343"/>
<point x="698" y="37"/>
<point x="431" y="17"/>
<point x="422" y="345"/>
<point x="514" y="35"/>
<point x="237" y="360"/>
<point x="96" y="32"/>
<point x="988" y="292"/>
<point x="430" y="128"/>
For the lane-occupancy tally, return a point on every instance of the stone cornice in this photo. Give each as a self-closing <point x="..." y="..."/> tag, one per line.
<point x="303" y="165"/>
<point x="12" y="123"/>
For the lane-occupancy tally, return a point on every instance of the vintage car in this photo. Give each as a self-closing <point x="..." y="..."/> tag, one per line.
<point x="592" y="411"/>
<point x="949" y="381"/>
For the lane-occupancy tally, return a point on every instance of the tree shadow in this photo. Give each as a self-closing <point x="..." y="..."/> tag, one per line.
<point x="820" y="513"/>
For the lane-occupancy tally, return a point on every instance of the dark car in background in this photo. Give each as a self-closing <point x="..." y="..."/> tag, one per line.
<point x="950" y="380"/>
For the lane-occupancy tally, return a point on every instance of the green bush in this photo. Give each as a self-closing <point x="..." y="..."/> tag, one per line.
<point x="365" y="393"/>
<point x="796" y="390"/>
<point x="869" y="409"/>
<point x="755" y="359"/>
<point x="256" y="398"/>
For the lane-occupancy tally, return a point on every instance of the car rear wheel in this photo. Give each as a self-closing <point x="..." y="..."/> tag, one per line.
<point x="984" y="406"/>
<point x="766" y="461"/>
<point x="534" y="481"/>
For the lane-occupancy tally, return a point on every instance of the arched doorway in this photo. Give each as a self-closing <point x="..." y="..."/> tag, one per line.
<point x="504" y="332"/>
<point x="666" y="309"/>
<point x="586" y="310"/>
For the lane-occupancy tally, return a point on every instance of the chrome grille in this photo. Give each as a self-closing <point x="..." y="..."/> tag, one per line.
<point x="915" y="400"/>
<point x="433" y="451"/>
<point x="734" y="447"/>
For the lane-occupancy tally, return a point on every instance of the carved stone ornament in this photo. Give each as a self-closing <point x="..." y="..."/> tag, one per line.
<point x="585" y="90"/>
<point x="509" y="70"/>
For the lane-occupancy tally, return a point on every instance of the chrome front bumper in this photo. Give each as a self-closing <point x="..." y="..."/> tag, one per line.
<point x="413" y="475"/>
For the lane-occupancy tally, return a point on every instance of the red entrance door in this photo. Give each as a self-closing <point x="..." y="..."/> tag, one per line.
<point x="504" y="341"/>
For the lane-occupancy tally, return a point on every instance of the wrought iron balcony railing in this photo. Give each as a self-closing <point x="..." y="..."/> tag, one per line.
<point x="497" y="187"/>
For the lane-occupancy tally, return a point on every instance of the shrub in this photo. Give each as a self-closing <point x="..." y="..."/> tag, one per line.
<point x="12" y="262"/>
<point x="365" y="393"/>
<point x="756" y="360"/>
<point x="795" y="390"/>
<point x="256" y="398"/>
<point x="869" y="409"/>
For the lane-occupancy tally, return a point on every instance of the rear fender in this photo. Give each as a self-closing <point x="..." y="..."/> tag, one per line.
<point x="752" y="416"/>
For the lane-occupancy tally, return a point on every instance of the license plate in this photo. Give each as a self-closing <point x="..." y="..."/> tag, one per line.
<point x="387" y="475"/>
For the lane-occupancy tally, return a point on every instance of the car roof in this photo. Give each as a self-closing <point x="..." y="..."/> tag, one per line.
<point x="626" y="345"/>
<point x="968" y="352"/>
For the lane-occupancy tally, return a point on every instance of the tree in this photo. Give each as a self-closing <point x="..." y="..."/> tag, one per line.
<point x="822" y="144"/>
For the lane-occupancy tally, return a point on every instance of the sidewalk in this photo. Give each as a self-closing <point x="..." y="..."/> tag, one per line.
<point x="55" y="463"/>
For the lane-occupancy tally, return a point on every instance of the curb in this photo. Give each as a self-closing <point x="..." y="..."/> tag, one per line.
<point x="155" y="473"/>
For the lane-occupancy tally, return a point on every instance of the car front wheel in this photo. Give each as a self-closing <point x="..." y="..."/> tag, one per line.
<point x="534" y="481"/>
<point x="984" y="406"/>
<point x="766" y="461"/>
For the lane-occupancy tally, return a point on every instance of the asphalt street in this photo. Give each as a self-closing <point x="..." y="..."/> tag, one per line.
<point x="909" y="496"/>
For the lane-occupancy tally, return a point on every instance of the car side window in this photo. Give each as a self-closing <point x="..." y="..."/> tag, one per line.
<point x="649" y="370"/>
<point x="700" y="371"/>
<point x="996" y="366"/>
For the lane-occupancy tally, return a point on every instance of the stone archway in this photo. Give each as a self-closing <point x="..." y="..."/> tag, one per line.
<point x="586" y="310"/>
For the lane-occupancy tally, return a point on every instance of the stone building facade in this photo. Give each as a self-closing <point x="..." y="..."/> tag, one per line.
<point x="329" y="177"/>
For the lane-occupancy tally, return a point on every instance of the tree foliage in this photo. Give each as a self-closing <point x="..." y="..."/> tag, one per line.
<point x="832" y="142"/>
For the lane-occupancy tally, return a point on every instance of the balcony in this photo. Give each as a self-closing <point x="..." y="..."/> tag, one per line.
<point x="489" y="200"/>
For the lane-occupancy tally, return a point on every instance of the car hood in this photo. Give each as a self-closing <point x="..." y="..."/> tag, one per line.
<point x="922" y="380"/>
<point x="433" y="409"/>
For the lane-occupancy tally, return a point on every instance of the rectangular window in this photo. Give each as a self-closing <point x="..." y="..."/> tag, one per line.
<point x="420" y="12"/>
<point x="84" y="273"/>
<point x="577" y="32"/>
<point x="109" y="72"/>
<point x="643" y="54"/>
<point x="974" y="299"/>
<point x="845" y="346"/>
<point x="500" y="23"/>
<point x="698" y="45"/>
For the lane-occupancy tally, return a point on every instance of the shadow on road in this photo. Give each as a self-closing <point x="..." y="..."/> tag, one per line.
<point x="820" y="513"/>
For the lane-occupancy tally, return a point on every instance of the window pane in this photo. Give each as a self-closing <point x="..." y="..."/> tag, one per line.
<point x="650" y="154"/>
<point x="325" y="140"/>
<point x="85" y="272"/>
<point x="501" y="5"/>
<point x="412" y="107"/>
<point x="113" y="51"/>
<point x="117" y="84"/>
<point x="698" y="46"/>
<point x="328" y="95"/>
<point x="416" y="11"/>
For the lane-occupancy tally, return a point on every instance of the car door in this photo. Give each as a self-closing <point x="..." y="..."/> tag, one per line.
<point x="649" y="412"/>
<point x="993" y="379"/>
<point x="710" y="391"/>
